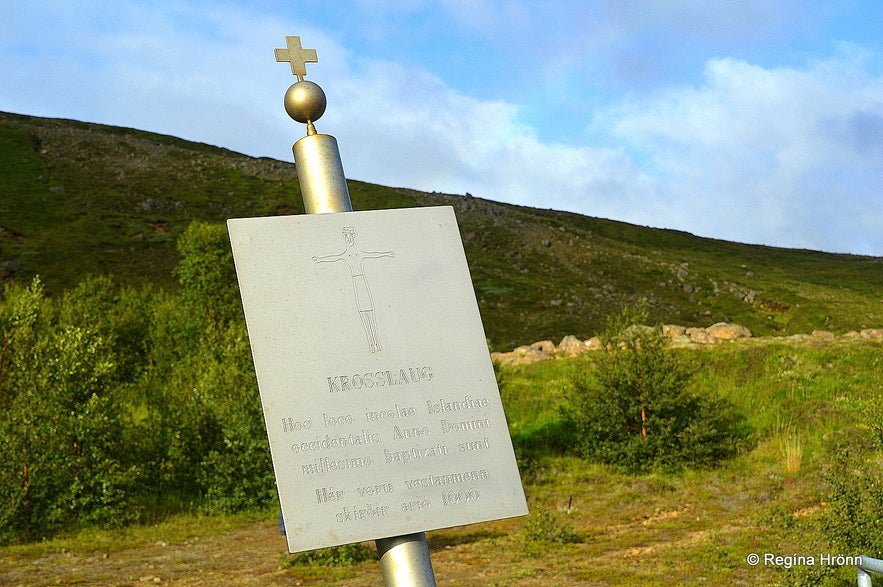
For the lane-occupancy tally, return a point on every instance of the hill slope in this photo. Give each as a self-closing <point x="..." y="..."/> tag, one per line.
<point x="79" y="199"/>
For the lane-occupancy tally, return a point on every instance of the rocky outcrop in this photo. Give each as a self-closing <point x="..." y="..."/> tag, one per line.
<point x="725" y="331"/>
<point x="571" y="346"/>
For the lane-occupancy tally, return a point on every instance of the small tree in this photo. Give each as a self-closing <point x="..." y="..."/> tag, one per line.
<point x="635" y="409"/>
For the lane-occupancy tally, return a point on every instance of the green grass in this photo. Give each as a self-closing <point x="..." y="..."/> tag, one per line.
<point x="796" y="397"/>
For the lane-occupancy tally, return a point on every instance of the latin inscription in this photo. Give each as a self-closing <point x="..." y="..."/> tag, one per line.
<point x="337" y="420"/>
<point x="474" y="445"/>
<point x="324" y="464"/>
<point x="464" y="426"/>
<point x="443" y="406"/>
<point x="403" y="433"/>
<point x="397" y="412"/>
<point x="414" y="453"/>
<point x="331" y="442"/>
<point x="292" y="425"/>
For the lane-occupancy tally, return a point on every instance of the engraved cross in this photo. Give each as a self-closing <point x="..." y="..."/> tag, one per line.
<point x="297" y="56"/>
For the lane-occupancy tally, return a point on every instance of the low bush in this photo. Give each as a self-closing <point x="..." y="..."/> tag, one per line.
<point x="634" y="408"/>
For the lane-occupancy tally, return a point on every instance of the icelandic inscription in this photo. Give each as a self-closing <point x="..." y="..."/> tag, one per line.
<point x="326" y="494"/>
<point x="375" y="489"/>
<point x="447" y="479"/>
<point x="416" y="505"/>
<point x="388" y="378"/>
<point x="460" y="497"/>
<point x="357" y="513"/>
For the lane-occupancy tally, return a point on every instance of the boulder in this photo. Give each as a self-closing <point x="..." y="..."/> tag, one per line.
<point x="571" y="345"/>
<point x="823" y="335"/>
<point x="673" y="330"/>
<point x="544" y="346"/>
<point x="727" y="331"/>
<point x="700" y="336"/>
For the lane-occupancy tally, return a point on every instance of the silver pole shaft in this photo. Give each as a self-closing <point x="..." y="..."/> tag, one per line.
<point x="320" y="174"/>
<point x="404" y="560"/>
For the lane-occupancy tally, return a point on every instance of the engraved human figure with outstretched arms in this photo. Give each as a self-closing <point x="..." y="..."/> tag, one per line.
<point x="355" y="258"/>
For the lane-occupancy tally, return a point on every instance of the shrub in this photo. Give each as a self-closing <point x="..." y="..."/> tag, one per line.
<point x="635" y="410"/>
<point x="853" y="521"/>
<point x="543" y="525"/>
<point x="60" y="431"/>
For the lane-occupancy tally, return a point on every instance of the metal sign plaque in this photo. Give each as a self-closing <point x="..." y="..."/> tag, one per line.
<point x="381" y="404"/>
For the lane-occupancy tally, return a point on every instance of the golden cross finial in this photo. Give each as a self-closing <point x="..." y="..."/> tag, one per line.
<point x="297" y="56"/>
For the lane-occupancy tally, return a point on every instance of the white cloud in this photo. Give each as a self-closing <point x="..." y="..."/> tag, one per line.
<point x="750" y="154"/>
<point x="405" y="127"/>
<point x="774" y="150"/>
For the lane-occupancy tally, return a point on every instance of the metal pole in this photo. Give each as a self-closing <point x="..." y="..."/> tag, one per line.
<point x="404" y="560"/>
<point x="866" y="567"/>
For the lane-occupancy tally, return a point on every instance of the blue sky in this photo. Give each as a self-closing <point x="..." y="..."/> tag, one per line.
<point x="757" y="121"/>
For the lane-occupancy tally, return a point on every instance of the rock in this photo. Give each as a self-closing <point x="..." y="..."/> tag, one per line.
<point x="571" y="345"/>
<point x="594" y="344"/>
<point x="534" y="356"/>
<point x="521" y="356"/>
<point x="727" y="331"/>
<point x="700" y="336"/>
<point x="673" y="330"/>
<point x="544" y="346"/>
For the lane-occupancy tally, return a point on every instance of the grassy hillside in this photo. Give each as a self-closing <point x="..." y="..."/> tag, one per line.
<point x="82" y="199"/>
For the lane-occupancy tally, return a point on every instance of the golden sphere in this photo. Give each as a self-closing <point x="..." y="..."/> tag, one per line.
<point x="305" y="101"/>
